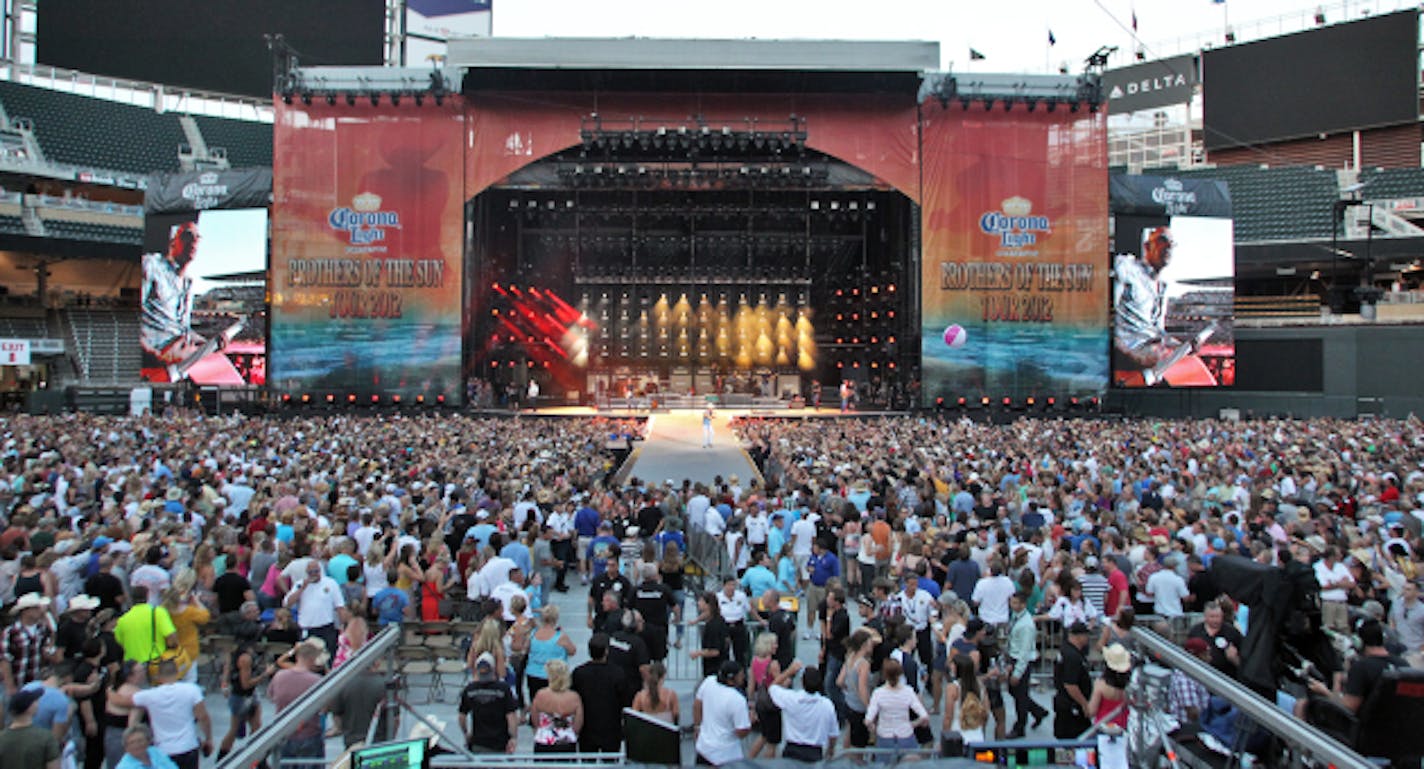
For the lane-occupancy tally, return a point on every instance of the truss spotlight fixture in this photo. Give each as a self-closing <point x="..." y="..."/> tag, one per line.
<point x="330" y="398"/>
<point x="286" y="97"/>
<point x="350" y="99"/>
<point x="331" y="100"/>
<point x="375" y="399"/>
<point x="420" y="399"/>
<point x="396" y="399"/>
<point x="306" y="397"/>
<point x="1052" y="104"/>
<point x="1319" y="15"/>
<point x="420" y="100"/>
<point x="306" y="98"/>
<point x="984" y="401"/>
<point x="375" y="99"/>
<point x="351" y="397"/>
<point x="1007" y="401"/>
<point x="988" y="104"/>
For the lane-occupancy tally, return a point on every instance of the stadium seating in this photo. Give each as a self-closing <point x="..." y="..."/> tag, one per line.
<point x="1288" y="203"/>
<point x="247" y="143"/>
<point x="96" y="133"/>
<point x="1387" y="183"/>
<point x="101" y="232"/>
<point x="105" y="343"/>
<point x="11" y="225"/>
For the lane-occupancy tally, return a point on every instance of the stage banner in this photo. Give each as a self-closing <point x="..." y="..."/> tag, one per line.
<point x="366" y="251"/>
<point x="171" y="193"/>
<point x="1014" y="275"/>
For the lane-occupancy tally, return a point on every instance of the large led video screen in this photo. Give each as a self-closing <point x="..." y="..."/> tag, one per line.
<point x="367" y="251"/>
<point x="1174" y="273"/>
<point x="214" y="45"/>
<point x="1338" y="78"/>
<point x="203" y="314"/>
<point x="1014" y="283"/>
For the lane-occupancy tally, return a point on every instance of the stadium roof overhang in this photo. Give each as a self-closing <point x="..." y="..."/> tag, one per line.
<point x="688" y="65"/>
<point x="1262" y="259"/>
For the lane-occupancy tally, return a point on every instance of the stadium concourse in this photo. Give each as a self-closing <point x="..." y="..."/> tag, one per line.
<point x="1039" y="538"/>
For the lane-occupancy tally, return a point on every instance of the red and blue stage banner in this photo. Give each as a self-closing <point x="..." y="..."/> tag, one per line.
<point x="367" y="262"/>
<point x="1014" y="268"/>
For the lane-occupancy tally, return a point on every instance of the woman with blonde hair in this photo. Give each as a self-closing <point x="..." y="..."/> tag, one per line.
<point x="188" y="614"/>
<point x="373" y="570"/>
<point x="765" y="672"/>
<point x="490" y="638"/>
<point x="556" y="713"/>
<point x="548" y="643"/>
<point x="895" y="710"/>
<point x="655" y="699"/>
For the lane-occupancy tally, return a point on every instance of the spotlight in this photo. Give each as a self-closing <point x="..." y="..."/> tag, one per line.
<point x="306" y="397"/>
<point x="286" y="98"/>
<point x="988" y="104"/>
<point x="331" y="100"/>
<point x="375" y="99"/>
<point x="1052" y="105"/>
<point x="306" y="98"/>
<point x="984" y="401"/>
<point x="939" y="401"/>
<point x="1029" y="402"/>
<point x="286" y="397"/>
<point x="963" y="401"/>
<point x="375" y="399"/>
<point x="395" y="99"/>
<point x="351" y="398"/>
<point x="420" y="100"/>
<point x="396" y="399"/>
<point x="330" y="398"/>
<point x="420" y="399"/>
<point x="1051" y="401"/>
<point x="440" y="398"/>
<point x="1007" y="401"/>
<point x="350" y="99"/>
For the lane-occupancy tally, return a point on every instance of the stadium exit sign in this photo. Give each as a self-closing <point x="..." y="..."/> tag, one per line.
<point x="14" y="352"/>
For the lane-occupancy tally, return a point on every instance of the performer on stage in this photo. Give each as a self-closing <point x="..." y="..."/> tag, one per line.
<point x="707" y="428"/>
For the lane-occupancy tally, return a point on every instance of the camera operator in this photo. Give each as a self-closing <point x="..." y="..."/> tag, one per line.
<point x="1365" y="672"/>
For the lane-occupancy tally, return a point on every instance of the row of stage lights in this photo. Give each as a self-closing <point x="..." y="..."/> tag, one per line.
<point x="1049" y="104"/>
<point x="351" y="399"/>
<point x="1029" y="403"/>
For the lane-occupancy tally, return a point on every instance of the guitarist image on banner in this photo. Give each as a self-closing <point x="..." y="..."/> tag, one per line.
<point x="1144" y="354"/>
<point x="170" y="345"/>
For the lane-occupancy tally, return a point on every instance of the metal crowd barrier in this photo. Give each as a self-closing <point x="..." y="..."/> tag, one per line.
<point x="1310" y="740"/>
<point x="273" y="734"/>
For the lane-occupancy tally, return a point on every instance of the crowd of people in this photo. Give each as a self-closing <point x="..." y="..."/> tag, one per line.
<point x="886" y="582"/>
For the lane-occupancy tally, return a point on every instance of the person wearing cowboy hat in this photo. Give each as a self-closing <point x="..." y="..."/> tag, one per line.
<point x="27" y="645"/>
<point x="1108" y="704"/>
<point x="73" y="628"/>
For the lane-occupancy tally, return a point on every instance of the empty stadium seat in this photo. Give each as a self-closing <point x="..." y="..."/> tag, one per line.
<point x="1387" y="183"/>
<point x="247" y="143"/>
<point x="101" y="232"/>
<point x="85" y="131"/>
<point x="1286" y="203"/>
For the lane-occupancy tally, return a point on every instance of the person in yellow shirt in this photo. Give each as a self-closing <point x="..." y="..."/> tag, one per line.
<point x="145" y="632"/>
<point x="188" y="615"/>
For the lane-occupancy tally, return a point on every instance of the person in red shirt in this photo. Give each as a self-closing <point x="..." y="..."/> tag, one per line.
<point x="1117" y="588"/>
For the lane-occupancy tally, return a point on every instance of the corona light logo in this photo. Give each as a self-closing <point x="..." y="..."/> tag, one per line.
<point x="206" y="192"/>
<point x="364" y="223"/>
<point x="1014" y="224"/>
<point x="1175" y="199"/>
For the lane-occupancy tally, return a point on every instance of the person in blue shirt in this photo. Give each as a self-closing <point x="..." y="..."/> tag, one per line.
<point x="482" y="529"/>
<point x="760" y="578"/>
<point x="671" y="534"/>
<point x="602" y="548"/>
<point x="787" y="581"/>
<point x="586" y="523"/>
<point x="776" y="532"/>
<point x="390" y="603"/>
<point x="140" y="752"/>
<point x="519" y="553"/>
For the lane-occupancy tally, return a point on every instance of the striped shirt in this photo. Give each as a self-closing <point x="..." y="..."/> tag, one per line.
<point x="1095" y="589"/>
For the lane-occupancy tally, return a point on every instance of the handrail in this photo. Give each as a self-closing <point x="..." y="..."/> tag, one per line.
<point x="1315" y="742"/>
<point x="274" y="733"/>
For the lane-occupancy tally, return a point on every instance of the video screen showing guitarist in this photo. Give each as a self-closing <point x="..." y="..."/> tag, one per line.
<point x="172" y="348"/>
<point x="1144" y="354"/>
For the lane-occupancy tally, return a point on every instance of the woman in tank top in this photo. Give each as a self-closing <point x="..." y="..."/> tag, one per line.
<point x="655" y="699"/>
<point x="548" y="643"/>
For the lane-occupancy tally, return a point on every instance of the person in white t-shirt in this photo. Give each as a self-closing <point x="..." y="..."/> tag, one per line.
<point x="720" y="715"/>
<point x="991" y="594"/>
<point x="175" y="712"/>
<point x="1167" y="590"/>
<point x="1335" y="582"/>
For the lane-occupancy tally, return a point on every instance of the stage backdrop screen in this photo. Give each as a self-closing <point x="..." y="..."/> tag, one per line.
<point x="204" y="304"/>
<point x="213" y="45"/>
<point x="1357" y="75"/>
<point x="1014" y="280"/>
<point x="366" y="260"/>
<point x="1174" y="274"/>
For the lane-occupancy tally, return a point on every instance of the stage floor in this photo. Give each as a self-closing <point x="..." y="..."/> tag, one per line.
<point x="806" y="413"/>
